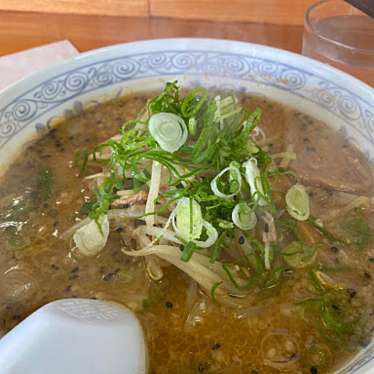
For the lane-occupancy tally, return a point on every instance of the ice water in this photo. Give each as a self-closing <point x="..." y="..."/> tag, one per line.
<point x="352" y="49"/>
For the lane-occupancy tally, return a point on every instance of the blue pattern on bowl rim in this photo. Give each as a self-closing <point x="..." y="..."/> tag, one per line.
<point x="355" y="111"/>
<point x="340" y="101"/>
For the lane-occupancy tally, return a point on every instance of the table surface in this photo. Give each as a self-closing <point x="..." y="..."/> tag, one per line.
<point x="19" y="31"/>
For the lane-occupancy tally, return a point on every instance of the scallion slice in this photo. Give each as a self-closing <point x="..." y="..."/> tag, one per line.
<point x="226" y="108"/>
<point x="235" y="182"/>
<point x="169" y="130"/>
<point x="91" y="238"/>
<point x="212" y="236"/>
<point x="253" y="177"/>
<point x="267" y="255"/>
<point x="188" y="221"/>
<point x="297" y="201"/>
<point x="243" y="216"/>
<point x="299" y="255"/>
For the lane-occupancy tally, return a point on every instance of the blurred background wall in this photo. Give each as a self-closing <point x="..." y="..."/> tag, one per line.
<point x="279" y="12"/>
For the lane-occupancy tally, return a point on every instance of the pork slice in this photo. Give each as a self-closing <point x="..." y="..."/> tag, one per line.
<point x="136" y="198"/>
<point x="325" y="158"/>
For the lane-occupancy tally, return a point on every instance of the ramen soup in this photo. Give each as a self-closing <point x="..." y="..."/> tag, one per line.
<point x="237" y="229"/>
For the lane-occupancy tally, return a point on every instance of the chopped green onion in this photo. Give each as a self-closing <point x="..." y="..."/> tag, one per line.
<point x="244" y="217"/>
<point x="235" y="180"/>
<point x="299" y="255"/>
<point x="334" y="321"/>
<point x="212" y="236"/>
<point x="297" y="201"/>
<point x="45" y="180"/>
<point x="80" y="160"/>
<point x="253" y="177"/>
<point x="91" y="238"/>
<point x="188" y="251"/>
<point x="326" y="281"/>
<point x="214" y="289"/>
<point x="357" y="228"/>
<point x="319" y="226"/>
<point x="242" y="283"/>
<point x="225" y="108"/>
<point x="169" y="130"/>
<point x="188" y="221"/>
<point x="192" y="124"/>
<point x="225" y="224"/>
<point x="267" y="255"/>
<point x="167" y="101"/>
<point x="193" y="102"/>
<point x="218" y="246"/>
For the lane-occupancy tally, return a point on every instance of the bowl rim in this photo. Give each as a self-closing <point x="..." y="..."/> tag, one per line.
<point x="177" y="42"/>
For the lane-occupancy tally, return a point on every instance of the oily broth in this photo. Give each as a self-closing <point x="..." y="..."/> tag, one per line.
<point x="48" y="258"/>
<point x="186" y="332"/>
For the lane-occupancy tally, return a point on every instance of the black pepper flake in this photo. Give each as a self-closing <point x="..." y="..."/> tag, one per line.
<point x="74" y="270"/>
<point x="367" y="275"/>
<point x="169" y="305"/>
<point x="241" y="240"/>
<point x="351" y="292"/>
<point x="365" y="342"/>
<point x="55" y="267"/>
<point x="313" y="370"/>
<point x="107" y="277"/>
<point x="216" y="346"/>
<point x="58" y="143"/>
<point x="201" y="367"/>
<point x="310" y="148"/>
<point x="335" y="307"/>
<point x="254" y="372"/>
<point x="73" y="276"/>
<point x="371" y="259"/>
<point x="334" y="249"/>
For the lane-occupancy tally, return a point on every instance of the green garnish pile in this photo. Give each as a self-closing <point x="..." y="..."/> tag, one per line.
<point x="216" y="190"/>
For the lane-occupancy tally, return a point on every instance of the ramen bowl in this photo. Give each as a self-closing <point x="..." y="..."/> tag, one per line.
<point x="39" y="102"/>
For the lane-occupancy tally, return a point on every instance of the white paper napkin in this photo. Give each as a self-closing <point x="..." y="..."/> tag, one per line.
<point x="15" y="66"/>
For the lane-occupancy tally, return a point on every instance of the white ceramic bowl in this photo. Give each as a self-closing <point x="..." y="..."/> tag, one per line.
<point x="42" y="100"/>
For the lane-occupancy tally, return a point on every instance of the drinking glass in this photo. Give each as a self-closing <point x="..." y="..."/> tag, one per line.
<point x="340" y="35"/>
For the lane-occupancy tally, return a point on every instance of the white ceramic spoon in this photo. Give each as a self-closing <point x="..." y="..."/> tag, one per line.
<point x="75" y="336"/>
